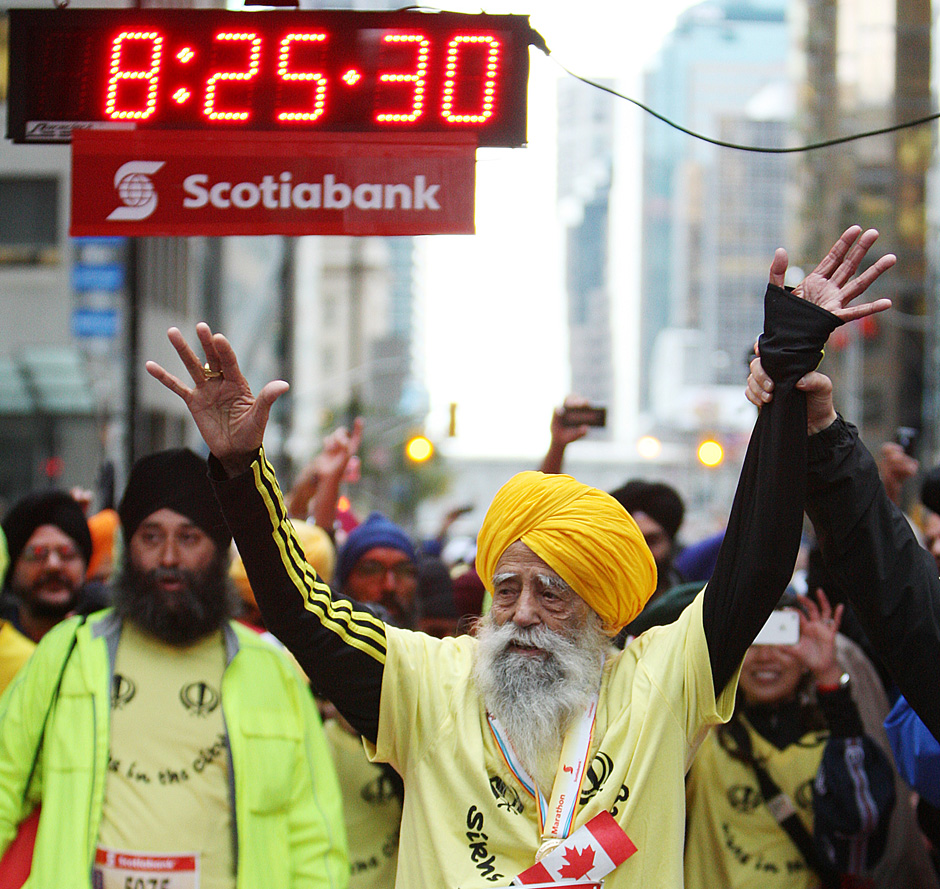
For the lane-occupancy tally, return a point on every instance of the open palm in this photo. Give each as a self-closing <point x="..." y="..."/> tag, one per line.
<point x="819" y="624"/>
<point x="230" y="418"/>
<point x="831" y="285"/>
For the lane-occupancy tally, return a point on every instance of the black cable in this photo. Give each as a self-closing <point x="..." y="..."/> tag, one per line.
<point x="754" y="148"/>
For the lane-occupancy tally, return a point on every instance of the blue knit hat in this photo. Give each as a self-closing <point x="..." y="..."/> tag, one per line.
<point x="376" y="531"/>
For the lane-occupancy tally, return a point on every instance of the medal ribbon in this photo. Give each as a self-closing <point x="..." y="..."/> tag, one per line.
<point x="556" y="816"/>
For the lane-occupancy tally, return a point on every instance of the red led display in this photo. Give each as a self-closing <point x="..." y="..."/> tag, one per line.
<point x="302" y="71"/>
<point x="317" y="78"/>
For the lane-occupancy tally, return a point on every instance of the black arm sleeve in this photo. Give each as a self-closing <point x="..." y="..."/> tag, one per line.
<point x="339" y="644"/>
<point x="872" y="553"/>
<point x="756" y="558"/>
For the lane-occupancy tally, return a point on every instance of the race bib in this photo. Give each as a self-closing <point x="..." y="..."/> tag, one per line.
<point x="117" y="869"/>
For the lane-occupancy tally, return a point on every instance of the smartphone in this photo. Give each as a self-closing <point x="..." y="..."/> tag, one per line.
<point x="906" y="437"/>
<point x="782" y="628"/>
<point x="589" y="415"/>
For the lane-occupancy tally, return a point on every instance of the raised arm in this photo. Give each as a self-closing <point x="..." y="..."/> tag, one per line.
<point x="759" y="550"/>
<point x="333" y="463"/>
<point x="868" y="546"/>
<point x="872" y="554"/>
<point x="340" y="646"/>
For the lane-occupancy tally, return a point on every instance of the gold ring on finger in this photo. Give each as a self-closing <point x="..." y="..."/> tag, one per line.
<point x="209" y="374"/>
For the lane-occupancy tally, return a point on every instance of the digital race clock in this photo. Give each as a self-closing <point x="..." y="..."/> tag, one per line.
<point x="298" y="71"/>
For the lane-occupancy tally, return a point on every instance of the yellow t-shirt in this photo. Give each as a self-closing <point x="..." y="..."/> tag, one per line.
<point x="469" y="823"/>
<point x="371" y="811"/>
<point x="167" y="789"/>
<point x="733" y="841"/>
<point x="15" y="650"/>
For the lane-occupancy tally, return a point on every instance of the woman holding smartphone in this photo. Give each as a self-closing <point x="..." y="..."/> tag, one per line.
<point x="791" y="792"/>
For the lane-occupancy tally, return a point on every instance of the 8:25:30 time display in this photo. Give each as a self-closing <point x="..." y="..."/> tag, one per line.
<point x="136" y="75"/>
<point x="306" y="71"/>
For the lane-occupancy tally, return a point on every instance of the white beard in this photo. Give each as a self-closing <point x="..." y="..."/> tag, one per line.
<point x="536" y="698"/>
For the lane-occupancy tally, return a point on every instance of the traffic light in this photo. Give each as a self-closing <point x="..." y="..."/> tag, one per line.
<point x="649" y="447"/>
<point x="419" y="449"/>
<point x="710" y="453"/>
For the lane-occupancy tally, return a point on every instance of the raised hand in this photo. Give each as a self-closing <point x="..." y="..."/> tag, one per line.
<point x="831" y="285"/>
<point x="340" y="448"/>
<point x="816" y="649"/>
<point x="895" y="467"/>
<point x="562" y="435"/>
<point x="230" y="418"/>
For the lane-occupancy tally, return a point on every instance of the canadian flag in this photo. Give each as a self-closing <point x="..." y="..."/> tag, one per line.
<point x="588" y="855"/>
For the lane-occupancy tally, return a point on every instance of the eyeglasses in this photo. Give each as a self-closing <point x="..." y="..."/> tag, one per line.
<point x="370" y="570"/>
<point x="37" y="553"/>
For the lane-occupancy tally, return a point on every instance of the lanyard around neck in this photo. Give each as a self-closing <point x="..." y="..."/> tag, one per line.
<point x="556" y="815"/>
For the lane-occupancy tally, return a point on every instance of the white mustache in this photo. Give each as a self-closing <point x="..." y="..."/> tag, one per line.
<point x="539" y="636"/>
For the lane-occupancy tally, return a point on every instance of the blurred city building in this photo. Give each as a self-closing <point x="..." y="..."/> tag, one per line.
<point x="865" y="66"/>
<point x="341" y="317"/>
<point x="711" y="217"/>
<point x="334" y="316"/>
<point x="356" y="314"/>
<point x="586" y="144"/>
<point x="80" y="317"/>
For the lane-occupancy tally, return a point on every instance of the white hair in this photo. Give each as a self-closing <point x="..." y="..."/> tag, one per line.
<point x="536" y="697"/>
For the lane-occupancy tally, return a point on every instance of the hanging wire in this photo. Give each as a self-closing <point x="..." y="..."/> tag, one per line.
<point x="813" y="146"/>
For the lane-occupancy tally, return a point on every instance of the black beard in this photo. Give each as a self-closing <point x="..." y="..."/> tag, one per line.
<point x="36" y="607"/>
<point x="203" y="605"/>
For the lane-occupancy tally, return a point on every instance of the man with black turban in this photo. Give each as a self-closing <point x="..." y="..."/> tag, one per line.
<point x="534" y="751"/>
<point x="49" y="545"/>
<point x="168" y="745"/>
<point x="658" y="510"/>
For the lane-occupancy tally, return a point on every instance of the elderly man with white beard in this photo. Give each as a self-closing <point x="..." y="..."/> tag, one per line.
<point x="535" y="753"/>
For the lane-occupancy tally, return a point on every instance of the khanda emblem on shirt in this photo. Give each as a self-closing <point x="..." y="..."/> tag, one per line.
<point x="122" y="691"/>
<point x="597" y="773"/>
<point x="506" y="796"/>
<point x="379" y="791"/>
<point x="745" y="797"/>
<point x="200" y="699"/>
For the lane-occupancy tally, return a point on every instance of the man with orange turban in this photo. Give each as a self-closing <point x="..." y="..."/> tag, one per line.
<point x="534" y="752"/>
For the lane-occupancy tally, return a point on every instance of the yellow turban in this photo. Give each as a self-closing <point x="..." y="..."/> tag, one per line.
<point x="581" y="533"/>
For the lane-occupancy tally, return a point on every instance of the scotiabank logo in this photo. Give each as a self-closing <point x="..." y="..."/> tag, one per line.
<point x="328" y="194"/>
<point x="135" y="188"/>
<point x="180" y="184"/>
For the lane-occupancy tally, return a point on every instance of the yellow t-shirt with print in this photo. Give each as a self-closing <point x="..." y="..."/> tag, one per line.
<point x="733" y="841"/>
<point x="469" y="823"/>
<point x="167" y="789"/>
<point x="371" y="811"/>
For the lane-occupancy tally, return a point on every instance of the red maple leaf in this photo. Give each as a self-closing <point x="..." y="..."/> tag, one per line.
<point x="579" y="863"/>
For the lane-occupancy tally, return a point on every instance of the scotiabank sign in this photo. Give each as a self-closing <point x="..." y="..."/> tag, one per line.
<point x="180" y="183"/>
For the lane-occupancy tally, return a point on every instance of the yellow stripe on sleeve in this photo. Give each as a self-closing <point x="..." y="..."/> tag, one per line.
<point x="358" y="629"/>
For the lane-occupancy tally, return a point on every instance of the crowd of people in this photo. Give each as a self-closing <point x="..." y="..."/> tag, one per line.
<point x="219" y="686"/>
